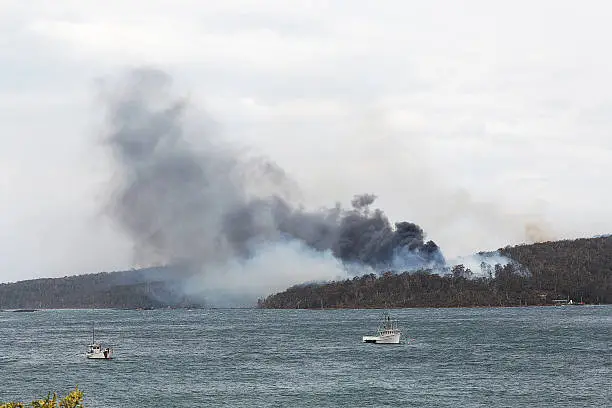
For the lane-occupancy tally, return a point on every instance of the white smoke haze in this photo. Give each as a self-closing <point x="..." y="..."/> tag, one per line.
<point x="474" y="263"/>
<point x="274" y="268"/>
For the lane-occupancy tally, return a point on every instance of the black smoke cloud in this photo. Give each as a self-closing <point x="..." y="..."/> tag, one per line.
<point x="185" y="196"/>
<point x="353" y="236"/>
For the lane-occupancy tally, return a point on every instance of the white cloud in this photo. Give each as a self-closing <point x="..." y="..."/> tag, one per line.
<point x="417" y="103"/>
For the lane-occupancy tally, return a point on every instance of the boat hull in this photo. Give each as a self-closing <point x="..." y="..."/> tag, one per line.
<point x="99" y="357"/>
<point x="386" y="339"/>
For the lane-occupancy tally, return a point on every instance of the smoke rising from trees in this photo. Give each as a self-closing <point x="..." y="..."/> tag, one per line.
<point x="185" y="196"/>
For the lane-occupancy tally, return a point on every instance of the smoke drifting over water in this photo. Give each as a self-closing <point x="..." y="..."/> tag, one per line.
<point x="187" y="197"/>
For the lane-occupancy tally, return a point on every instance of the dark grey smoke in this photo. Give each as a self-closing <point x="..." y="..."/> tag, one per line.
<point x="363" y="201"/>
<point x="186" y="197"/>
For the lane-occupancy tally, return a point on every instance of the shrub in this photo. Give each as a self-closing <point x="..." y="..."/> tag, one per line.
<point x="72" y="400"/>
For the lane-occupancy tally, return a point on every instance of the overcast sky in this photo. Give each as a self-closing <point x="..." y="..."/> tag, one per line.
<point x="487" y="123"/>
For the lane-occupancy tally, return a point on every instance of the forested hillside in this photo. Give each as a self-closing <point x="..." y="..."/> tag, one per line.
<point x="577" y="269"/>
<point x="144" y="288"/>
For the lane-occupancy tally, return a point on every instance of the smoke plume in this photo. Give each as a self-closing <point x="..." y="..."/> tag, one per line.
<point x="186" y="197"/>
<point x="538" y="232"/>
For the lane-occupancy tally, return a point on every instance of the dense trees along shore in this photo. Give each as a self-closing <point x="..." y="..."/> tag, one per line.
<point x="580" y="270"/>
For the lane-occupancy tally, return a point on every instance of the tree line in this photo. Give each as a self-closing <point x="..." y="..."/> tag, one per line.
<point x="538" y="274"/>
<point x="580" y="270"/>
<point x="145" y="288"/>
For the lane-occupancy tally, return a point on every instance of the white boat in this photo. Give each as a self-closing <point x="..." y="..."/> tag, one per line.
<point x="388" y="333"/>
<point x="95" y="350"/>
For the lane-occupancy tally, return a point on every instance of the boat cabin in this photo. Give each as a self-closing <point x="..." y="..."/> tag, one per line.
<point x="94" y="348"/>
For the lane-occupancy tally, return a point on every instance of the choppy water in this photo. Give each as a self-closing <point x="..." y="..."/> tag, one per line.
<point x="512" y="357"/>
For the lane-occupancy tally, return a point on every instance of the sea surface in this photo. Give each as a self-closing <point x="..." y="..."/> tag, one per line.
<point x="473" y="357"/>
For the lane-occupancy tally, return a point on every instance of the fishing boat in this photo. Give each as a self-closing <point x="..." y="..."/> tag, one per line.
<point x="388" y="333"/>
<point x="95" y="350"/>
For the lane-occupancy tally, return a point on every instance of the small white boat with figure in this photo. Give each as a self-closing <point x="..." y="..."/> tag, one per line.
<point x="95" y="350"/>
<point x="388" y="333"/>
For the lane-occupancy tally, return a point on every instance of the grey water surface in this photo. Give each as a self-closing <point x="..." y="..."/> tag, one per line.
<point x="473" y="357"/>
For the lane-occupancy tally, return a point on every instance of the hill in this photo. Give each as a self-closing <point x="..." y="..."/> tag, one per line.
<point x="143" y="288"/>
<point x="576" y="269"/>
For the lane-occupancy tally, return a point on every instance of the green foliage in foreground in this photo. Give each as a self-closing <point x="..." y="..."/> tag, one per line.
<point x="72" y="400"/>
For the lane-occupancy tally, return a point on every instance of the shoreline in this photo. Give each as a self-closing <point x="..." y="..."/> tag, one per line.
<point x="292" y="308"/>
<point x="428" y="307"/>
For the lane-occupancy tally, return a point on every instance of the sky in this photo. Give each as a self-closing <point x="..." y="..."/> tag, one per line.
<point x="486" y="123"/>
